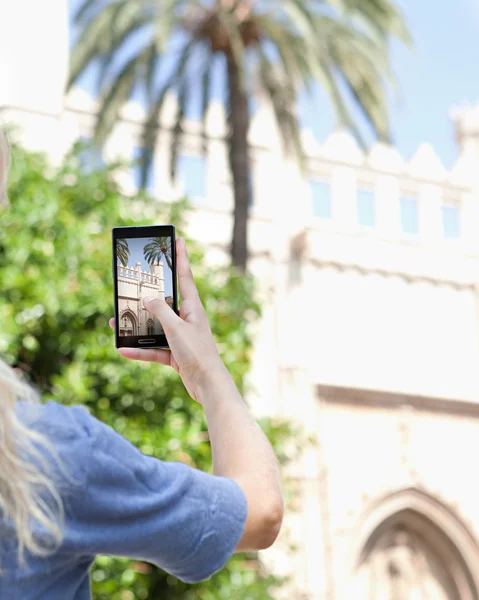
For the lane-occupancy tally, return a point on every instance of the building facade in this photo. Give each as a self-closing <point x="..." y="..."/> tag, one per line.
<point x="134" y="284"/>
<point x="381" y="361"/>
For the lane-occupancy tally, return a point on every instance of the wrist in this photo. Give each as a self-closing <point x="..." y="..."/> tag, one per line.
<point x="212" y="380"/>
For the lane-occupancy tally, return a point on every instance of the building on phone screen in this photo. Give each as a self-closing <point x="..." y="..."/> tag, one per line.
<point x="134" y="284"/>
<point x="368" y="273"/>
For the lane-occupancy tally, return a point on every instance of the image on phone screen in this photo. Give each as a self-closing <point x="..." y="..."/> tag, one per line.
<point x="145" y="267"/>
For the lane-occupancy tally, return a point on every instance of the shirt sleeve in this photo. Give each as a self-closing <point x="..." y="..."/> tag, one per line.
<point x="183" y="520"/>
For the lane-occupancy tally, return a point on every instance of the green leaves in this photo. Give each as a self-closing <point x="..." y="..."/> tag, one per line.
<point x="118" y="93"/>
<point x="123" y="251"/>
<point x="157" y="250"/>
<point x="57" y="297"/>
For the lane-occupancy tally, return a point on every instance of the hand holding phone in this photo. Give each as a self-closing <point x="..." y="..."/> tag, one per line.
<point x="193" y="350"/>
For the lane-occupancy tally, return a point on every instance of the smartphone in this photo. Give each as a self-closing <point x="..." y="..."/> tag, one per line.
<point x="144" y="264"/>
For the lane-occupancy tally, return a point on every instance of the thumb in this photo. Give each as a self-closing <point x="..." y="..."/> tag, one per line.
<point x="160" y="309"/>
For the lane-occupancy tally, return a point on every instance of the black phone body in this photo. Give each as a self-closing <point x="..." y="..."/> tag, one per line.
<point x="144" y="264"/>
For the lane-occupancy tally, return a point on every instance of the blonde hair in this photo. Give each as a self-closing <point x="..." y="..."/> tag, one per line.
<point x="29" y="499"/>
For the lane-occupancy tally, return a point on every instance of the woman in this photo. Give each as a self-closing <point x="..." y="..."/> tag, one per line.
<point x="71" y="487"/>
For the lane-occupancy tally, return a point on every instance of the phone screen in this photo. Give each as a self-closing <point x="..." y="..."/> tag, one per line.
<point x="144" y="264"/>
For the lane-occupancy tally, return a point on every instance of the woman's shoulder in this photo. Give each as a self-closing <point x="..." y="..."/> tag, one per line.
<point x="57" y="420"/>
<point x="70" y="429"/>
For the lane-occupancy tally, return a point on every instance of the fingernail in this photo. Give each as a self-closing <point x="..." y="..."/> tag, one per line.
<point x="147" y="299"/>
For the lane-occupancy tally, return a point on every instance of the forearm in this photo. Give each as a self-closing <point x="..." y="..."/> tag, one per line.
<point x="240" y="449"/>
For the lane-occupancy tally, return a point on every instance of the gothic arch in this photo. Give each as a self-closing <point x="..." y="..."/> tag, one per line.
<point x="130" y="316"/>
<point x="420" y="518"/>
<point x="150" y="327"/>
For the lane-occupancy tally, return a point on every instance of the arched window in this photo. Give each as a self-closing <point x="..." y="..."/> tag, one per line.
<point x="150" y="327"/>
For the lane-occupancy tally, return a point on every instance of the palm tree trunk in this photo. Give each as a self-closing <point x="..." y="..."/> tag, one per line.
<point x="168" y="260"/>
<point x="239" y="163"/>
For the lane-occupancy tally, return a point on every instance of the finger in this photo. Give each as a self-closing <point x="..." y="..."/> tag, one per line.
<point x="162" y="357"/>
<point x="185" y="275"/>
<point x="111" y="323"/>
<point x="162" y="311"/>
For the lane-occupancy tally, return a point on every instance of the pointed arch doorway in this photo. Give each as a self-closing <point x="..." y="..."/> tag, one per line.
<point x="128" y="324"/>
<point x="411" y="547"/>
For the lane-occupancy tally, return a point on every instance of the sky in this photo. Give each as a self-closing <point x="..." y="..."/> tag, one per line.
<point x="136" y="246"/>
<point x="440" y="72"/>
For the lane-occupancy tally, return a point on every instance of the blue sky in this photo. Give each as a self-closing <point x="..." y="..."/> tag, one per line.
<point x="439" y="73"/>
<point x="136" y="246"/>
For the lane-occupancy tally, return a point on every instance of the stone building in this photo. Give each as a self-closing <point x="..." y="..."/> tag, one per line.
<point x="134" y="284"/>
<point x="380" y="364"/>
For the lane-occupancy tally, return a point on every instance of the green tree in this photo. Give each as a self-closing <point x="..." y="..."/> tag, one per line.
<point x="280" y="46"/>
<point x="158" y="249"/>
<point x="55" y="304"/>
<point x="123" y="251"/>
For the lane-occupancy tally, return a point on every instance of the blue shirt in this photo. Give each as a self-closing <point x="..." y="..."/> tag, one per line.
<point x="120" y="502"/>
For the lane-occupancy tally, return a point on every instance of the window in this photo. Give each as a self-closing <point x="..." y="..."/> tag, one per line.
<point x="192" y="175"/>
<point x="366" y="208"/>
<point x="321" y="195"/>
<point x="89" y="156"/>
<point x="451" y="221"/>
<point x="150" y="326"/>
<point x="409" y="215"/>
<point x="136" y="169"/>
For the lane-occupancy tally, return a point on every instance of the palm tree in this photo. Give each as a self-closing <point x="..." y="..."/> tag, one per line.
<point x="122" y="251"/>
<point x="280" y="46"/>
<point x="157" y="249"/>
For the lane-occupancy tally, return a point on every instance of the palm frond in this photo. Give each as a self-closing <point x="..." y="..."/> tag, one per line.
<point x="152" y="63"/>
<point x="177" y="131"/>
<point x="290" y="49"/>
<point x="366" y="87"/>
<point x="300" y="19"/>
<point x="122" y="27"/>
<point x="362" y="64"/>
<point x="380" y="16"/>
<point x="123" y="251"/>
<point x="165" y="22"/>
<point x="105" y="34"/>
<point x="364" y="69"/>
<point x="82" y="15"/>
<point x="205" y="87"/>
<point x="341" y="109"/>
<point x="117" y="95"/>
<point x="282" y="97"/>
<point x="151" y="126"/>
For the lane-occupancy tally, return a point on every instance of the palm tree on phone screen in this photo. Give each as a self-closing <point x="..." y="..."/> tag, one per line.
<point x="157" y="250"/>
<point x="122" y="251"/>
